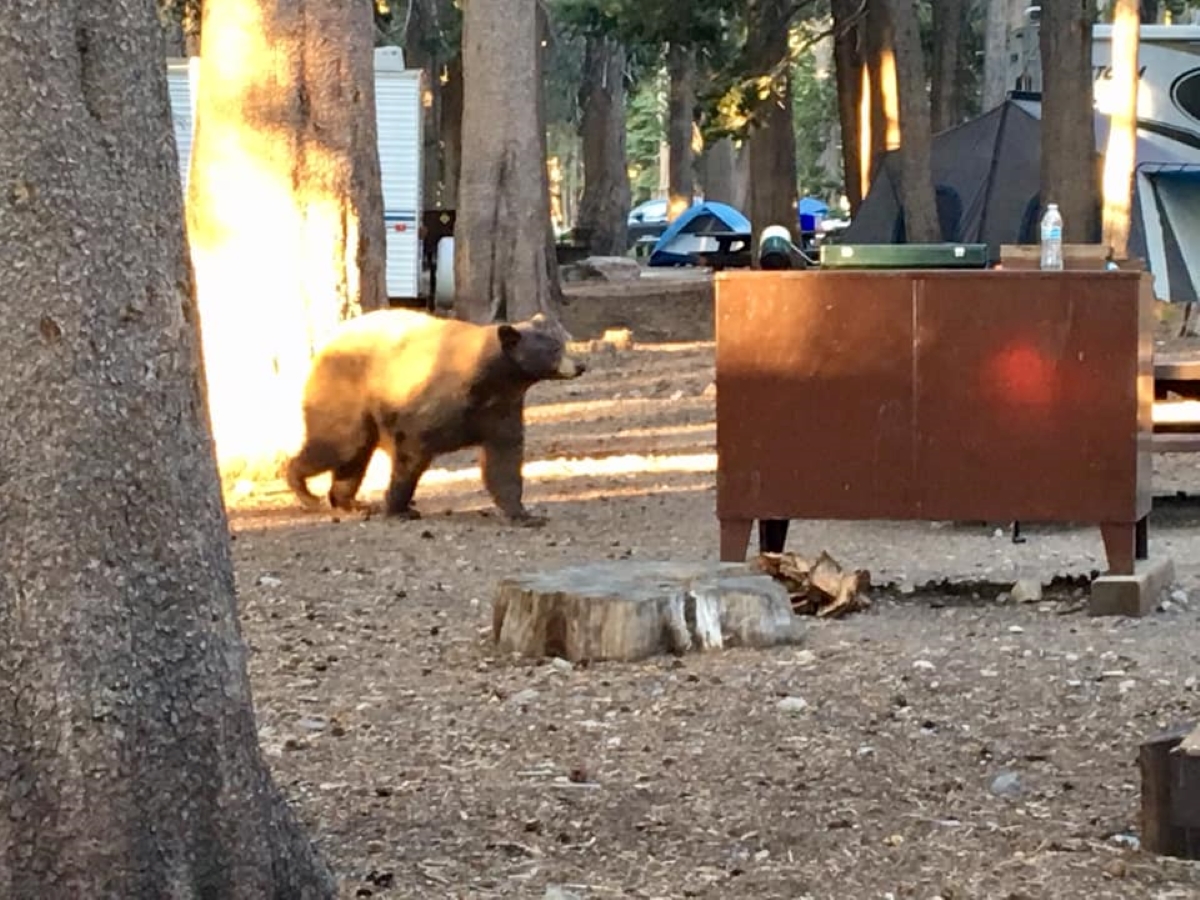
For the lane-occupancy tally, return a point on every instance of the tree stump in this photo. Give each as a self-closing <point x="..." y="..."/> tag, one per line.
<point x="1170" y="767"/>
<point x="632" y="610"/>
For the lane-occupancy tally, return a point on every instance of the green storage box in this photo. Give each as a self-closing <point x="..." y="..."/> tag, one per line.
<point x="904" y="256"/>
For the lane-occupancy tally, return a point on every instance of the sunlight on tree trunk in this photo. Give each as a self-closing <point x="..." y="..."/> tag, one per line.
<point x="128" y="745"/>
<point x="718" y="164"/>
<point x="504" y="265"/>
<point x="1120" y="154"/>
<point x="604" y="206"/>
<point x="916" y="180"/>
<point x="681" y="102"/>
<point x="879" y="127"/>
<point x="1068" y="128"/>
<point x="285" y="210"/>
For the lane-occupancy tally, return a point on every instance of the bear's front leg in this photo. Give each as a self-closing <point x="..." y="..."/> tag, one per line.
<point x="501" y="461"/>
<point x="408" y="465"/>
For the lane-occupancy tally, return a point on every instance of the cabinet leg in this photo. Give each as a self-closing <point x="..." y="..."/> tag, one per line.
<point x="772" y="535"/>
<point x="1142" y="538"/>
<point x="735" y="538"/>
<point x="1120" y="546"/>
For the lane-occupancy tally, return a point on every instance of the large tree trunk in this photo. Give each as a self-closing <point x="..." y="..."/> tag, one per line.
<point x="451" y="125"/>
<point x="504" y="267"/>
<point x="1068" y="177"/>
<point x="772" y="143"/>
<point x="916" y="179"/>
<point x="945" y="100"/>
<point x="128" y="747"/>
<point x="1120" y="154"/>
<point x="849" y="66"/>
<point x="879" y="121"/>
<point x="995" y="55"/>
<point x="285" y="208"/>
<point x="604" y="207"/>
<point x="421" y="46"/>
<point x="718" y="171"/>
<point x="681" y="106"/>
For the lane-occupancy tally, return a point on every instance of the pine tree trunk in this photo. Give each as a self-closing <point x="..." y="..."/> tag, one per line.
<point x="772" y="143"/>
<point x="681" y="103"/>
<point x="604" y="207"/>
<point x="285" y="207"/>
<point x="882" y="113"/>
<point x="1121" y="152"/>
<point x="451" y="126"/>
<point x="995" y="55"/>
<point x="718" y="167"/>
<point x="420" y="52"/>
<point x="848" y="65"/>
<point x="1068" y="131"/>
<point x="916" y="179"/>
<point x="945" y="100"/>
<point x="128" y="747"/>
<point x="504" y="267"/>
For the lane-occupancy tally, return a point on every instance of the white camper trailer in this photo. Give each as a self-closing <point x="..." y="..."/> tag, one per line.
<point x="398" y="122"/>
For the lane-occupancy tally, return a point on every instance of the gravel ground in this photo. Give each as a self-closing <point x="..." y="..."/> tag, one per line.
<point x="937" y="745"/>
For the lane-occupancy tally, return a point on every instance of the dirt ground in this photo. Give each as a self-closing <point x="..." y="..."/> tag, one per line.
<point x="936" y="745"/>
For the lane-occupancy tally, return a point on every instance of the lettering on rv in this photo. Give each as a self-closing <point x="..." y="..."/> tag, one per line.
<point x="1105" y="73"/>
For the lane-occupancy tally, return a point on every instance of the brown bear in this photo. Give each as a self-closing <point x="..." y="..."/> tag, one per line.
<point x="420" y="386"/>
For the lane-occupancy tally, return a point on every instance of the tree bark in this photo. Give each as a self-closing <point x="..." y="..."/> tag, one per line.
<point x="849" y="63"/>
<point x="285" y="207"/>
<point x="1068" y="131"/>
<point x="995" y="55"/>
<point x="772" y="142"/>
<point x="718" y="167"/>
<point x="945" y="100"/>
<point x="451" y="130"/>
<point x="421" y="52"/>
<point x="128" y="746"/>
<point x="504" y="266"/>
<point x="879" y="119"/>
<point x="1120" y="154"/>
<point x="604" y="207"/>
<point x="681" y="106"/>
<point x="916" y="179"/>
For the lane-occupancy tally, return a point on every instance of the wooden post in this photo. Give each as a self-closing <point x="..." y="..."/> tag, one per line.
<point x="1171" y="793"/>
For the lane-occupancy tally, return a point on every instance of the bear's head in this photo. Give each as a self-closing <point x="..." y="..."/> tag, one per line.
<point x="537" y="349"/>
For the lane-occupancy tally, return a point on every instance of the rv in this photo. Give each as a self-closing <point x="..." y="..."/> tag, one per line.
<point x="398" y="121"/>
<point x="1168" y="75"/>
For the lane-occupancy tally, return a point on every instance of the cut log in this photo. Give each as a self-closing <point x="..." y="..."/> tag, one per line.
<point x="1170" y="795"/>
<point x="632" y="610"/>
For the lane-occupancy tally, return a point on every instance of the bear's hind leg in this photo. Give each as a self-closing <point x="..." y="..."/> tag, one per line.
<point x="348" y="477"/>
<point x="500" y="462"/>
<point x="314" y="458"/>
<point x="408" y="465"/>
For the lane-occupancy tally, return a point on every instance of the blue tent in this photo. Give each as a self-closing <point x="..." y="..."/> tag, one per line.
<point x="680" y="243"/>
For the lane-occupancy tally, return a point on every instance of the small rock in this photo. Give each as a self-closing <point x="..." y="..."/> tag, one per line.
<point x="710" y="390"/>
<point x="1116" y="868"/>
<point x="1126" y="686"/>
<point x="924" y="665"/>
<point x="1015" y="629"/>
<point x="522" y="698"/>
<point x="792" y="704"/>
<point x="1179" y="596"/>
<point x="678" y="395"/>
<point x="1189" y="683"/>
<point x="269" y="581"/>
<point x="1127" y="840"/>
<point x="559" y="664"/>
<point x="555" y="892"/>
<point x="804" y="658"/>
<point x="1006" y="784"/>
<point x="1027" y="590"/>
<point x="988" y="673"/>
<point x="314" y="723"/>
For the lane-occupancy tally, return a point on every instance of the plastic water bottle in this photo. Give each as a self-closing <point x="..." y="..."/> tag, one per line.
<point x="1052" y="224"/>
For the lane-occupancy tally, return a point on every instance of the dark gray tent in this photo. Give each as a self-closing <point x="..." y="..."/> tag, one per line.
<point x="986" y="175"/>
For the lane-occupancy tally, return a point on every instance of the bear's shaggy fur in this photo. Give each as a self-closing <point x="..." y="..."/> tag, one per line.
<point x="420" y="386"/>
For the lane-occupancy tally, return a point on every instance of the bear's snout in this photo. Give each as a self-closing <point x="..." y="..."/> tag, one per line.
<point x="569" y="367"/>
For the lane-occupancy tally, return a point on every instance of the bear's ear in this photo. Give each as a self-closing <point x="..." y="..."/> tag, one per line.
<point x="509" y="336"/>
